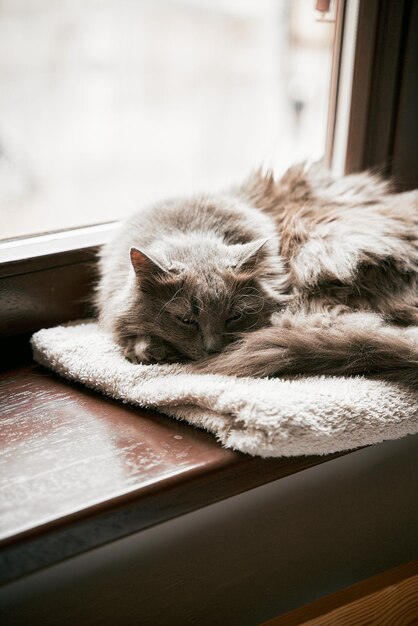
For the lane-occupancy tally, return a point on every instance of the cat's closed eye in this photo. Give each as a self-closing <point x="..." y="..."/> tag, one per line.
<point x="234" y="318"/>
<point x="186" y="321"/>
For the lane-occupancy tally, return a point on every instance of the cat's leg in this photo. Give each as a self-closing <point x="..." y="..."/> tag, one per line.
<point x="347" y="344"/>
<point x="148" y="349"/>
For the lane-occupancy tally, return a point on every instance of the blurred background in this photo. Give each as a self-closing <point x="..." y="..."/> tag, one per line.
<point x="106" y="105"/>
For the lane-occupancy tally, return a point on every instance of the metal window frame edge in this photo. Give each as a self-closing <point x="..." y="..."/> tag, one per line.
<point x="342" y="77"/>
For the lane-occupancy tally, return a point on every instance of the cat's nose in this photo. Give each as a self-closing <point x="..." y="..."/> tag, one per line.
<point x="212" y="350"/>
<point x="212" y="345"/>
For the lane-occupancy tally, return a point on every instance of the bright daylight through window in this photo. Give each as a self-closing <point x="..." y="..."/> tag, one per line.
<point x="105" y="106"/>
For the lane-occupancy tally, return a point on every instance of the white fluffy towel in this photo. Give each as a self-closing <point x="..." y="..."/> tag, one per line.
<point x="264" y="417"/>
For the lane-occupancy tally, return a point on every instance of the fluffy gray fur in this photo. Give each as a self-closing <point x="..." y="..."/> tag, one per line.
<point x="309" y="274"/>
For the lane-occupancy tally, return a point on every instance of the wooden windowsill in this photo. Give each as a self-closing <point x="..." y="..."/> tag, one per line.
<point x="77" y="469"/>
<point x="80" y="470"/>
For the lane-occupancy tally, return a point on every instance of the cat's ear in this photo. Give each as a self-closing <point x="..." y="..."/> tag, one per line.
<point x="146" y="264"/>
<point x="247" y="255"/>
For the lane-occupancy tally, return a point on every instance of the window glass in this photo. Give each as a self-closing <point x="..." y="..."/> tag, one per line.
<point x="106" y="105"/>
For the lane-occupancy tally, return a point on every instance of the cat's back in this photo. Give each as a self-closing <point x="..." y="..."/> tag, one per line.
<point x="223" y="215"/>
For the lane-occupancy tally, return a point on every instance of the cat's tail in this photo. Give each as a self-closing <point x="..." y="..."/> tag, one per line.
<point x="342" y="348"/>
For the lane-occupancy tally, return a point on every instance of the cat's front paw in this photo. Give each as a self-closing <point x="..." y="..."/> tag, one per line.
<point x="135" y="349"/>
<point x="147" y="350"/>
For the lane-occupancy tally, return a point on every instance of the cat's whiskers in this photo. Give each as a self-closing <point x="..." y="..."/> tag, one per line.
<point x="250" y="290"/>
<point x="255" y="307"/>
<point x="199" y="308"/>
<point x="167" y="303"/>
<point x="252" y="326"/>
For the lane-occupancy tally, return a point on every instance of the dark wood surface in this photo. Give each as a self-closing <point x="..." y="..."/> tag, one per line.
<point x="387" y="599"/>
<point x="383" y="128"/>
<point x="46" y="291"/>
<point x="362" y="83"/>
<point x="28" y="265"/>
<point x="78" y="469"/>
<point x="404" y="158"/>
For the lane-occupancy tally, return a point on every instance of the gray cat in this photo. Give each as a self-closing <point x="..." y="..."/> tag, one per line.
<point x="309" y="274"/>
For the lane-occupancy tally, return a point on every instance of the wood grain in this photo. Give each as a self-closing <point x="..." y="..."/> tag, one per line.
<point x="65" y="449"/>
<point x="78" y="469"/>
<point x="388" y="599"/>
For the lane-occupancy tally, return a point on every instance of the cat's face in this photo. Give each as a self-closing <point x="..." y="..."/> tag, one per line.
<point x="198" y="308"/>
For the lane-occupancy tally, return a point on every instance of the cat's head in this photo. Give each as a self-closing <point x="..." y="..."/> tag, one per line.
<point x="200" y="295"/>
